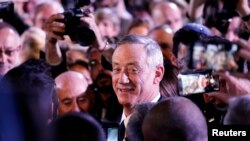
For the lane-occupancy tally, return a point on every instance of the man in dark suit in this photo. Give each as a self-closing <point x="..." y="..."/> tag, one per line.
<point x="138" y="68"/>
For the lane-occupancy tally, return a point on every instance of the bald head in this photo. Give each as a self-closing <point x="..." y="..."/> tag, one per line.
<point x="71" y="81"/>
<point x="44" y="10"/>
<point x="9" y="48"/>
<point x="70" y="89"/>
<point x="167" y="13"/>
<point x="176" y="118"/>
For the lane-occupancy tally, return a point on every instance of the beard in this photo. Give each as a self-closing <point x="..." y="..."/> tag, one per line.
<point x="104" y="83"/>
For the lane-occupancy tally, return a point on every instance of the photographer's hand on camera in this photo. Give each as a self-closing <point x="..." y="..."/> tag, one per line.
<point x="90" y="20"/>
<point x="52" y="27"/>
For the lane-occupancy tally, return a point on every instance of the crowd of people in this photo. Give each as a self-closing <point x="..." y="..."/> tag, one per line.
<point x="108" y="69"/>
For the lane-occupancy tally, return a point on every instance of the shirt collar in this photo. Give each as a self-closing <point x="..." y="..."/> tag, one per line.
<point x="156" y="99"/>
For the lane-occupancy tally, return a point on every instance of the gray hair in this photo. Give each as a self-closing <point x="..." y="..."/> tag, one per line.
<point x="53" y="4"/>
<point x="153" y="50"/>
<point x="107" y="13"/>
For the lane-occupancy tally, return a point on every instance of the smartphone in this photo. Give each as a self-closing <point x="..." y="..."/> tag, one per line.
<point x="197" y="82"/>
<point x="214" y="56"/>
<point x="111" y="130"/>
<point x="112" y="133"/>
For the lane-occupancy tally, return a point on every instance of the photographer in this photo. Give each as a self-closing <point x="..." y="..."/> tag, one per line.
<point x="77" y="26"/>
<point x="52" y="51"/>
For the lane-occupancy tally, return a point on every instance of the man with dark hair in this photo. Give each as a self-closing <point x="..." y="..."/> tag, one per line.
<point x="134" y="127"/>
<point x="32" y="89"/>
<point x="176" y="118"/>
<point x="10" y="48"/>
<point x="106" y="105"/>
<point x="77" y="127"/>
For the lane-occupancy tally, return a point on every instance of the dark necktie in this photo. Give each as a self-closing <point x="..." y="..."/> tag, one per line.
<point x="121" y="131"/>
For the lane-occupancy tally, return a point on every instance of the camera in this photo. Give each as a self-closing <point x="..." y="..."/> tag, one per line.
<point x="78" y="31"/>
<point x="197" y="82"/>
<point x="6" y="9"/>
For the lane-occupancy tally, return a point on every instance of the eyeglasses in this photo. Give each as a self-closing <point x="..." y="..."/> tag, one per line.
<point x="8" y="52"/>
<point x="94" y="63"/>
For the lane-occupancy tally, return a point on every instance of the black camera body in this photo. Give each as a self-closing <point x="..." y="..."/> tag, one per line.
<point x="6" y="9"/>
<point x="78" y="31"/>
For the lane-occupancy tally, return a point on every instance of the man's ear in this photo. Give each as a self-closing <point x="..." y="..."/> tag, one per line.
<point x="159" y="74"/>
<point x="173" y="60"/>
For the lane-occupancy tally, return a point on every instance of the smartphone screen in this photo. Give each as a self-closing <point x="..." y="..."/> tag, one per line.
<point x="214" y="56"/>
<point x="197" y="82"/>
<point x="112" y="134"/>
<point x="111" y="130"/>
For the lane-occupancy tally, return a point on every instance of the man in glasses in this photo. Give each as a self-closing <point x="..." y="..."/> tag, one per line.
<point x="10" y="48"/>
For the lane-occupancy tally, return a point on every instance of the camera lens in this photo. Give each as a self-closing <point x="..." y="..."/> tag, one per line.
<point x="83" y="35"/>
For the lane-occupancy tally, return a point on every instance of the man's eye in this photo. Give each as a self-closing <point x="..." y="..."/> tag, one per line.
<point x="133" y="70"/>
<point x="82" y="100"/>
<point x="116" y="70"/>
<point x="67" y="102"/>
<point x="8" y="52"/>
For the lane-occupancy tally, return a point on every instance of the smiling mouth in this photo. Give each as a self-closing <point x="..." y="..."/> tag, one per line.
<point x="126" y="90"/>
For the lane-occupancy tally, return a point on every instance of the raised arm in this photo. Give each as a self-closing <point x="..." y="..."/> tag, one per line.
<point x="52" y="49"/>
<point x="195" y="9"/>
<point x="244" y="11"/>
